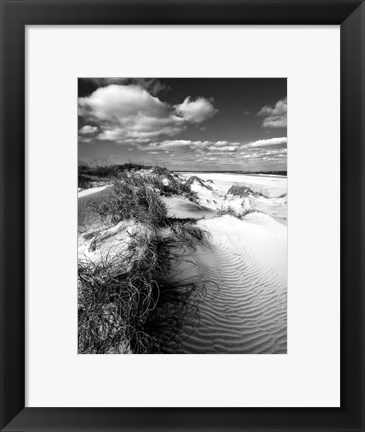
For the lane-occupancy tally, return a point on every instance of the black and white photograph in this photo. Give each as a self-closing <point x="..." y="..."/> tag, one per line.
<point x="182" y="215"/>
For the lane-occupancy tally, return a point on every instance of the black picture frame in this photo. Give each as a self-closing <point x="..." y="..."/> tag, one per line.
<point x="15" y="15"/>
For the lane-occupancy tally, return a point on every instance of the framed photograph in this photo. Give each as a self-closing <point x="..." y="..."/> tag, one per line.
<point x="182" y="208"/>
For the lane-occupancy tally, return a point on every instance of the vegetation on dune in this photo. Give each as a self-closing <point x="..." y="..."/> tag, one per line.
<point x="227" y="211"/>
<point x="244" y="191"/>
<point x="241" y="191"/>
<point x="84" y="181"/>
<point x="193" y="179"/>
<point x="160" y="178"/>
<point x="104" y="171"/>
<point x="125" y="200"/>
<point x="232" y="212"/>
<point x="134" y="305"/>
<point x="130" y="303"/>
<point x="130" y="306"/>
<point x="188" y="233"/>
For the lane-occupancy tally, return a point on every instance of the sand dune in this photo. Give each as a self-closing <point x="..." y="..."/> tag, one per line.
<point x="181" y="208"/>
<point x="244" y="310"/>
<point x="243" y="306"/>
<point x="268" y="193"/>
<point x="270" y="185"/>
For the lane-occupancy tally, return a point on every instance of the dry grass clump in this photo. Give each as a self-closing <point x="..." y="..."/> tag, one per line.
<point x="169" y="184"/>
<point x="133" y="306"/>
<point x="189" y="234"/>
<point x="159" y="178"/>
<point x="129" y="302"/>
<point x="241" y="191"/>
<point x="125" y="201"/>
<point x="231" y="212"/>
<point x="244" y="191"/>
<point x="198" y="180"/>
<point x="226" y="211"/>
<point x="84" y="181"/>
<point x="104" y="171"/>
<point x="135" y="196"/>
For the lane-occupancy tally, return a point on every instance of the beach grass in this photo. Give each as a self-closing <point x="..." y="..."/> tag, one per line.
<point x="129" y="302"/>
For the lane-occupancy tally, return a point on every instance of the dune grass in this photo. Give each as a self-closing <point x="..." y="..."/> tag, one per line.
<point x="130" y="303"/>
<point x="188" y="233"/>
<point x="125" y="201"/>
<point x="239" y="190"/>
<point x="159" y="178"/>
<point x="134" y="305"/>
<point x="231" y="212"/>
<point x="244" y="191"/>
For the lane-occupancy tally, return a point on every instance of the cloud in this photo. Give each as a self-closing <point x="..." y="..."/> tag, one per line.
<point x="152" y="85"/>
<point x="102" y="82"/>
<point x="177" y="144"/>
<point x="274" y="117"/>
<point x="196" y="111"/>
<point x="88" y="130"/>
<point x="267" y="142"/>
<point x="83" y="139"/>
<point x="272" y="149"/>
<point x="212" y="146"/>
<point x="231" y="148"/>
<point x="126" y="112"/>
<point x="129" y="113"/>
<point x="261" y="153"/>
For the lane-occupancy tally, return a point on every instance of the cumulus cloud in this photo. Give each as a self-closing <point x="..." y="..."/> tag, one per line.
<point x="125" y="113"/>
<point x="152" y="85"/>
<point x="196" y="111"/>
<point x="88" y="130"/>
<point x="276" y="116"/>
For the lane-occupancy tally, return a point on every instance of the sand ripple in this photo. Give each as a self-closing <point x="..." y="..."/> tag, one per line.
<point x="245" y="310"/>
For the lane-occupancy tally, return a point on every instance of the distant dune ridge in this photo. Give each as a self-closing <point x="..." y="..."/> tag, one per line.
<point x="230" y="232"/>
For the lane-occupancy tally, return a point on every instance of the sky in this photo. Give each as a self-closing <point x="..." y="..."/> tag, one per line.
<point x="203" y="124"/>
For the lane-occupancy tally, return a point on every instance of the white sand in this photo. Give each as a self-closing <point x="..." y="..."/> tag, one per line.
<point x="215" y="193"/>
<point x="244" y="266"/>
<point x="90" y="191"/>
<point x="245" y="272"/>
<point x="268" y="185"/>
<point x="182" y="208"/>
